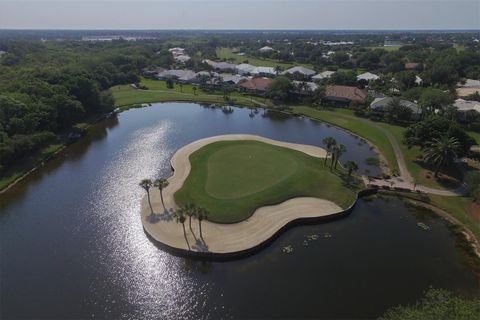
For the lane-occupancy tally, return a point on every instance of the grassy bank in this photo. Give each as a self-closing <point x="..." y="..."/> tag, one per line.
<point x="126" y="95"/>
<point x="345" y="119"/>
<point x="234" y="178"/>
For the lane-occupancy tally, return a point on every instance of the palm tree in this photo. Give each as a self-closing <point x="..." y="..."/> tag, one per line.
<point x="161" y="184"/>
<point x="146" y="184"/>
<point x="351" y="166"/>
<point x="181" y="87"/>
<point x="329" y="142"/>
<point x="180" y="218"/>
<point x="191" y="211"/>
<point x="277" y="70"/>
<point x="202" y="213"/>
<point x="337" y="152"/>
<point x="194" y="90"/>
<point x="441" y="152"/>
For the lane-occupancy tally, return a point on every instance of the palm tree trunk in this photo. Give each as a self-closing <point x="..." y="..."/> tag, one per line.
<point x="190" y="223"/>
<point x="149" y="203"/>
<point x="161" y="198"/>
<point x="326" y="157"/>
<point x="335" y="167"/>
<point x="185" y="235"/>
<point x="200" y="227"/>
<point x="350" y="172"/>
<point x="331" y="165"/>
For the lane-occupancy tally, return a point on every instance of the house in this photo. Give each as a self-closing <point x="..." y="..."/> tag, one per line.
<point x="221" y="66"/>
<point x="263" y="71"/>
<point x="465" y="106"/>
<point x="183" y="75"/>
<point x="188" y="77"/>
<point x="323" y="75"/>
<point x="302" y="71"/>
<point x="412" y="65"/>
<point x="310" y="88"/>
<point x="469" y="87"/>
<point x="265" y="49"/>
<point x="244" y="68"/>
<point x="177" y="51"/>
<point x="152" y="72"/>
<point x="367" y="76"/>
<point x="232" y="79"/>
<point x="182" y="58"/>
<point x="344" y="95"/>
<point x="418" y="80"/>
<point x="255" y="85"/>
<point x="380" y="104"/>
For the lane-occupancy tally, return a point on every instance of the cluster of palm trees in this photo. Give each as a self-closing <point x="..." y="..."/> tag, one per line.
<point x="336" y="151"/>
<point x="189" y="210"/>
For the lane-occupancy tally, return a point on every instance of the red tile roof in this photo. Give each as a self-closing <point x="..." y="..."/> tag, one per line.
<point x="260" y="84"/>
<point x="345" y="93"/>
<point x="411" y="65"/>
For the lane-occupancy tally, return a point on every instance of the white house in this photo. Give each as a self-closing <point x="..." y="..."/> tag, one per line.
<point x="265" y="49"/>
<point x="305" y="72"/>
<point x="323" y="75"/>
<point x="244" y="68"/>
<point x="367" y="76"/>
<point x="182" y="58"/>
<point x="380" y="104"/>
<point x="263" y="71"/>
<point x="465" y="105"/>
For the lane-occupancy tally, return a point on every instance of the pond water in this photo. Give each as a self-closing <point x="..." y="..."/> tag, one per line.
<point x="72" y="243"/>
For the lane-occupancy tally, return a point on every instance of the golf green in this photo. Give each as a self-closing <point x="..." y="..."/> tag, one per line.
<point x="233" y="178"/>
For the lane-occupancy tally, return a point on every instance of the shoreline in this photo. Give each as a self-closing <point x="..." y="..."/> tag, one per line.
<point x="228" y="239"/>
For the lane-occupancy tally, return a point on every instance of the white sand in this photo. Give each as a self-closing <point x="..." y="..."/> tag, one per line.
<point x="226" y="238"/>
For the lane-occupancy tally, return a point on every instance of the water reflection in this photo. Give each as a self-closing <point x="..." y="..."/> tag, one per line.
<point x="73" y="244"/>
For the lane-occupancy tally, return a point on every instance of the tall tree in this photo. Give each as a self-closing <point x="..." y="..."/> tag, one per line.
<point x="329" y="142"/>
<point x="180" y="218"/>
<point x="161" y="184"/>
<point x="146" y="184"/>
<point x="202" y="214"/>
<point x="338" y="151"/>
<point x="351" y="166"/>
<point x="441" y="152"/>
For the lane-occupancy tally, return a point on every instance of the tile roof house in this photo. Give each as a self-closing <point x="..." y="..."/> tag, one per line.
<point x="344" y="95"/>
<point x="412" y="65"/>
<point x="323" y="75"/>
<point x="367" y="76"/>
<point x="305" y="72"/>
<point x="469" y="87"/>
<point x="256" y="84"/>
<point x="232" y="78"/>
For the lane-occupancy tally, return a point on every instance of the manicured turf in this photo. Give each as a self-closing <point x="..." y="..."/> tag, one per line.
<point x="126" y="95"/>
<point x="226" y="53"/>
<point x="233" y="178"/>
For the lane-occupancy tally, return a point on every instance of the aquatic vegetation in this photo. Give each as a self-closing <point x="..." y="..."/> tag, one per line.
<point x="288" y="249"/>
<point x="423" y="226"/>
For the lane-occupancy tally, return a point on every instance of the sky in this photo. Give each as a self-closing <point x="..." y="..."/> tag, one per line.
<point x="240" y="14"/>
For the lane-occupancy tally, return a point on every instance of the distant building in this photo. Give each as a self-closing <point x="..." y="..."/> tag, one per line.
<point x="220" y="65"/>
<point x="152" y="72"/>
<point x="469" y="87"/>
<point x="380" y="104"/>
<point x="367" y="76"/>
<point x="465" y="106"/>
<point x="255" y="85"/>
<point x="244" y="68"/>
<point x="412" y="65"/>
<point x="323" y="75"/>
<point x="182" y="58"/>
<point x="173" y="74"/>
<point x="344" y="95"/>
<point x="311" y="87"/>
<point x="232" y="79"/>
<point x="418" y="80"/>
<point x="263" y="71"/>
<point x="265" y="49"/>
<point x="299" y="70"/>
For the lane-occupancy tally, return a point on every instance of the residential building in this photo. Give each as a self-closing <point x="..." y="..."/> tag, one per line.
<point x="344" y="95"/>
<point x="244" y="68"/>
<point x="412" y="65"/>
<point x="232" y="79"/>
<point x="255" y="85"/>
<point x="465" y="106"/>
<point x="323" y="75"/>
<point x="367" y="76"/>
<point x="265" y="49"/>
<point x="469" y="87"/>
<point x="263" y="71"/>
<point x="380" y="104"/>
<point x="311" y="87"/>
<point x="304" y="73"/>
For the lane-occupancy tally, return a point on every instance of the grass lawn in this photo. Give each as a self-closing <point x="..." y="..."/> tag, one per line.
<point x="474" y="135"/>
<point x="387" y="48"/>
<point x="226" y="53"/>
<point x="126" y="95"/>
<point x="365" y="128"/>
<point x="233" y="178"/>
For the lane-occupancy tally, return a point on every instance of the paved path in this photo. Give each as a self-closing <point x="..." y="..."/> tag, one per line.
<point x="226" y="238"/>
<point x="405" y="180"/>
